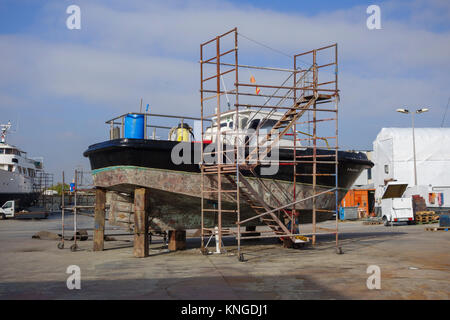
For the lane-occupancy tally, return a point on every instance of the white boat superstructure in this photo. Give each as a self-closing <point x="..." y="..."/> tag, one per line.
<point x="18" y="173"/>
<point x="251" y="123"/>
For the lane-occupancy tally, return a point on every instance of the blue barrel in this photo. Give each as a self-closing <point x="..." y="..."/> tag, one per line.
<point x="134" y="126"/>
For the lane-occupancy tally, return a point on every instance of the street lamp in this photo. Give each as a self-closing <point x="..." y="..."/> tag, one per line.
<point x="418" y="111"/>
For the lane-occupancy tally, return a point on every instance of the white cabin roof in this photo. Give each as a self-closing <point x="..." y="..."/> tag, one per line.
<point x="249" y="113"/>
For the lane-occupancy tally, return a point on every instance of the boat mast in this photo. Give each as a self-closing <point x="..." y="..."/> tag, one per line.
<point x="5" y="128"/>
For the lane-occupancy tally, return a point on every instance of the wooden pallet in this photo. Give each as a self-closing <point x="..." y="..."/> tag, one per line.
<point x="427" y="220"/>
<point x="437" y="229"/>
<point x="426" y="217"/>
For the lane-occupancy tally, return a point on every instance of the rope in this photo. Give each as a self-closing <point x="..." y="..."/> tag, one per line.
<point x="270" y="48"/>
<point x="445" y="114"/>
<point x="266" y="46"/>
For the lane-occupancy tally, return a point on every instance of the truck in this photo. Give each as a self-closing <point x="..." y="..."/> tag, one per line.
<point x="395" y="207"/>
<point x="12" y="209"/>
<point x="9" y="209"/>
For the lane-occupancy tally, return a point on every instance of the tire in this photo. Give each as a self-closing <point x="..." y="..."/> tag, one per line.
<point x="2" y="216"/>
<point x="386" y="222"/>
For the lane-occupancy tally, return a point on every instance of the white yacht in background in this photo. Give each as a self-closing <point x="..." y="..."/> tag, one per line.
<point x="19" y="175"/>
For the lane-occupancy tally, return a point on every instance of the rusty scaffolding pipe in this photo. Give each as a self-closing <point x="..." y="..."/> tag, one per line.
<point x="321" y="93"/>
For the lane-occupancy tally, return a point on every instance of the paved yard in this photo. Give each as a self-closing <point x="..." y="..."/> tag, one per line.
<point x="414" y="264"/>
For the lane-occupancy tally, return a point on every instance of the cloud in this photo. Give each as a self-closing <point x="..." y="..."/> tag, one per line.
<point x="167" y="28"/>
<point x="149" y="49"/>
<point x="93" y="75"/>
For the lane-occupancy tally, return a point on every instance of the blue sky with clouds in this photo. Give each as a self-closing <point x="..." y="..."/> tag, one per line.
<point x="61" y="85"/>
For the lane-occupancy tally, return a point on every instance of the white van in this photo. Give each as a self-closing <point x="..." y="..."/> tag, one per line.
<point x="394" y="208"/>
<point x="8" y="209"/>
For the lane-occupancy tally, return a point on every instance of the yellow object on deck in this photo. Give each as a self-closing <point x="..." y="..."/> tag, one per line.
<point x="182" y="134"/>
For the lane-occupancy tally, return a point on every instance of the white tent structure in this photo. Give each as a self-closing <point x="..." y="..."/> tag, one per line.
<point x="394" y="161"/>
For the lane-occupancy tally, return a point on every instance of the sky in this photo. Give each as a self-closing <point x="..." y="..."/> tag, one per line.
<point x="59" y="86"/>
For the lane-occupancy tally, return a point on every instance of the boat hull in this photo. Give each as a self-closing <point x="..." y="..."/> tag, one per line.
<point x="122" y="165"/>
<point x="15" y="186"/>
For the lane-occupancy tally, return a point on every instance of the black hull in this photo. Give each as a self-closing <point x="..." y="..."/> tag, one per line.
<point x="157" y="154"/>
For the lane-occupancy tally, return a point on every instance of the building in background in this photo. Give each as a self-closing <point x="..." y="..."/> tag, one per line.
<point x="394" y="161"/>
<point x="362" y="193"/>
<point x="365" y="178"/>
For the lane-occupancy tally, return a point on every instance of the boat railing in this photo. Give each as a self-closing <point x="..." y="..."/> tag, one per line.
<point x="117" y="124"/>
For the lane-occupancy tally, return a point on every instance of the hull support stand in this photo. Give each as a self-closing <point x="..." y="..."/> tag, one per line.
<point x="141" y="209"/>
<point x="99" y="219"/>
<point x="177" y="240"/>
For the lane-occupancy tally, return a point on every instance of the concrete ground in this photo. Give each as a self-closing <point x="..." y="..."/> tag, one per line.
<point x="414" y="264"/>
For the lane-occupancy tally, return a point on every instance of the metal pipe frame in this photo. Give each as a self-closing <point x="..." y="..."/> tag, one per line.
<point x="328" y="94"/>
<point x="113" y="121"/>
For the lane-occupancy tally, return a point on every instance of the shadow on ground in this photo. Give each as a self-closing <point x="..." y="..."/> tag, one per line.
<point x="201" y="288"/>
<point x="323" y="241"/>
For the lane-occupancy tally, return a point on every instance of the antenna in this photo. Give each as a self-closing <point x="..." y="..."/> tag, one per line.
<point x="4" y="128"/>
<point x="445" y="113"/>
<point x="17" y="123"/>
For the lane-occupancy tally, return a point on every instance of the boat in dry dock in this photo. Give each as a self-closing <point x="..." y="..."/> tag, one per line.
<point x="262" y="151"/>
<point x="124" y="162"/>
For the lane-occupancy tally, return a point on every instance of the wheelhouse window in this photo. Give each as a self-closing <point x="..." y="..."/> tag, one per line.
<point x="268" y="124"/>
<point x="244" y="122"/>
<point x="30" y="172"/>
<point x="254" y="124"/>
<point x="12" y="151"/>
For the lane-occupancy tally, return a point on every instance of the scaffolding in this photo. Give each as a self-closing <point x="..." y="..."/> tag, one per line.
<point x="76" y="200"/>
<point x="41" y="182"/>
<point x="231" y="178"/>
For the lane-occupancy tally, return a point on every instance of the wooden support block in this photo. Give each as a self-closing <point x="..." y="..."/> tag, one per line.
<point x="141" y="208"/>
<point x="99" y="219"/>
<point x="177" y="240"/>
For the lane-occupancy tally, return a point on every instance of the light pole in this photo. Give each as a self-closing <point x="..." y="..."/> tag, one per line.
<point x="418" y="111"/>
